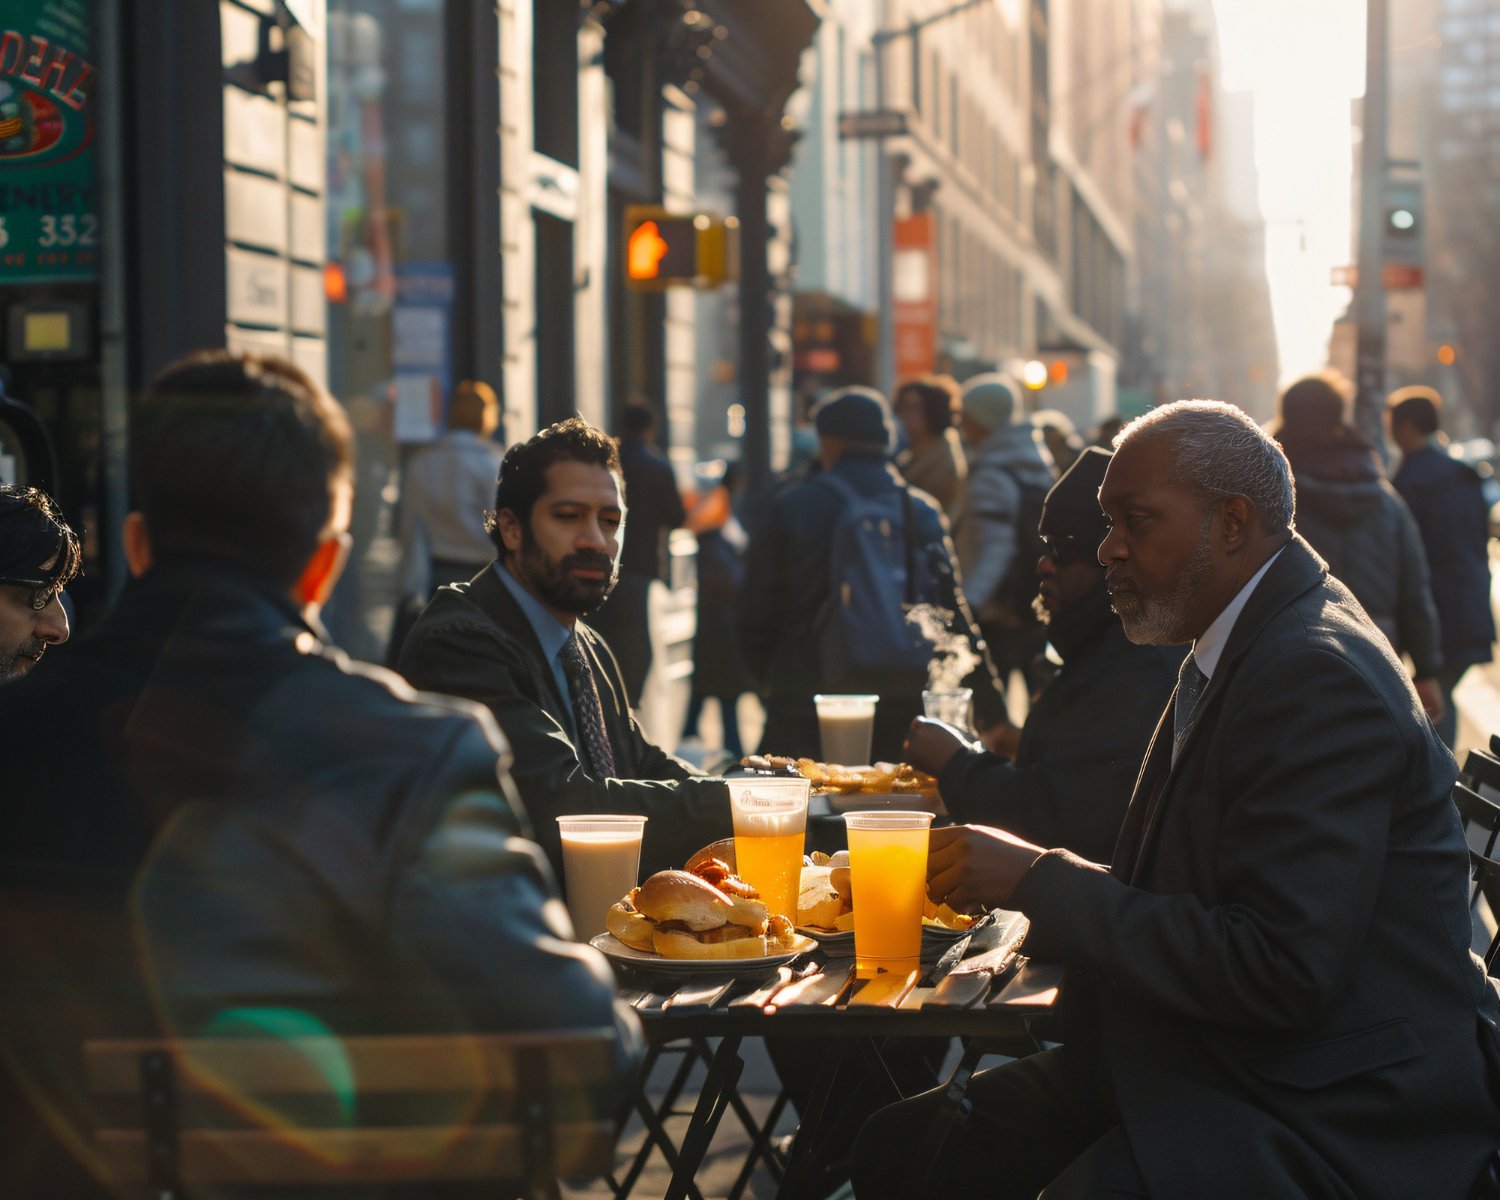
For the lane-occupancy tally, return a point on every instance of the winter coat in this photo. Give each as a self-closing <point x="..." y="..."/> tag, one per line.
<point x="984" y="525"/>
<point x="1354" y="518"/>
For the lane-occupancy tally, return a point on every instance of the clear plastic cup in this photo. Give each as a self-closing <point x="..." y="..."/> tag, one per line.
<point x="846" y="726"/>
<point x="601" y="863"/>
<point x="888" y="875"/>
<point x="953" y="707"/>
<point x="770" y="821"/>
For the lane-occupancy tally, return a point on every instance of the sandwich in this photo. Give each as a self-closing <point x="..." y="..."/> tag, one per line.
<point x="705" y="913"/>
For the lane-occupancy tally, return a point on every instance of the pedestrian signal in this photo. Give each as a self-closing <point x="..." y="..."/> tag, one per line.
<point x="665" y="249"/>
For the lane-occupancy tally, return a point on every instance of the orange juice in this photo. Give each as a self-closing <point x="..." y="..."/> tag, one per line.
<point x="888" y="872"/>
<point x="772" y="865"/>
<point x="770" y="818"/>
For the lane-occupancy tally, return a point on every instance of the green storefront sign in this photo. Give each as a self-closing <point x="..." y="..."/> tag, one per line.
<point x="49" y="222"/>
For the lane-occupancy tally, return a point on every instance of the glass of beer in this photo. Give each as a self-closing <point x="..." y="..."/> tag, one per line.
<point x="888" y="873"/>
<point x="770" y="819"/>
<point x="846" y="726"/>
<point x="601" y="863"/>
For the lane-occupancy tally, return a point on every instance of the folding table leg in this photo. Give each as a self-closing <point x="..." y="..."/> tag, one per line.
<point x="718" y="1086"/>
<point x="762" y="1147"/>
<point x="814" y="1122"/>
<point x="656" y="1136"/>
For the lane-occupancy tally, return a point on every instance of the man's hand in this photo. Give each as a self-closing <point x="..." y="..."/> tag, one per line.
<point x="931" y="745"/>
<point x="1002" y="738"/>
<point x="1431" y="697"/>
<point x="973" y="867"/>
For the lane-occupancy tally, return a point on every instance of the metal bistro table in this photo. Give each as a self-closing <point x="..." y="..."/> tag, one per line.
<point x="980" y="991"/>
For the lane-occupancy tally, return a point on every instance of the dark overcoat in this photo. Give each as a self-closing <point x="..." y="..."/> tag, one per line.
<point x="1276" y="969"/>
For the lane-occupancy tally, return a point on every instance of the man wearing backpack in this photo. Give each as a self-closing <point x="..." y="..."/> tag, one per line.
<point x="995" y="524"/>
<point x="833" y="563"/>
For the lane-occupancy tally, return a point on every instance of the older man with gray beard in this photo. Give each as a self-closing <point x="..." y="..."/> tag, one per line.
<point x="1269" y="990"/>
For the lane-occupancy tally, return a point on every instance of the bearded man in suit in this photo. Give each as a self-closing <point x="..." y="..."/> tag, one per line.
<point x="1270" y="991"/>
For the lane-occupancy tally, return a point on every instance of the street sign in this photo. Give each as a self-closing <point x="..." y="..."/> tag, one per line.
<point x="1396" y="276"/>
<point x="878" y="123"/>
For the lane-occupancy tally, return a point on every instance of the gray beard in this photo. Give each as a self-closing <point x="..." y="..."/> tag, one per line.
<point x="1162" y="620"/>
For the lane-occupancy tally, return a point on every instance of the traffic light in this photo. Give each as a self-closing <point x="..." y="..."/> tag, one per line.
<point x="665" y="249"/>
<point x="1402" y="238"/>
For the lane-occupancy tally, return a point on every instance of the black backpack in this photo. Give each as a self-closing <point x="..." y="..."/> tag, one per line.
<point x="878" y="570"/>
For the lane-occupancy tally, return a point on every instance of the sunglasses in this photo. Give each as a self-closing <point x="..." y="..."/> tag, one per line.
<point x="1065" y="550"/>
<point x="42" y="591"/>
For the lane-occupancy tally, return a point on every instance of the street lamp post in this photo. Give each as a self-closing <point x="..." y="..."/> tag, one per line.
<point x="1369" y="292"/>
<point x="885" y="193"/>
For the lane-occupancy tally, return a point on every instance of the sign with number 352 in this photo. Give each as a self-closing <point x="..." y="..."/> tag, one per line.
<point x="49" y="229"/>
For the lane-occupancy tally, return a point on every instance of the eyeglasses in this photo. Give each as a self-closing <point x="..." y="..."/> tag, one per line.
<point x="1065" y="550"/>
<point x="42" y="591"/>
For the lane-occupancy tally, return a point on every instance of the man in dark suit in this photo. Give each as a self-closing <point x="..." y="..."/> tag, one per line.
<point x="216" y="822"/>
<point x="1062" y="790"/>
<point x="511" y="639"/>
<point x="1270" y="991"/>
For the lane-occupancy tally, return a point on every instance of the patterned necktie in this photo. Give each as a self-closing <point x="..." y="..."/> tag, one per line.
<point x="1190" y="685"/>
<point x="587" y="712"/>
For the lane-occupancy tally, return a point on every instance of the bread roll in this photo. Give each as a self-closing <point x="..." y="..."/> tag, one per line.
<point x="672" y="943"/>
<point x="629" y="926"/>
<point x="680" y="896"/>
<point x="817" y="903"/>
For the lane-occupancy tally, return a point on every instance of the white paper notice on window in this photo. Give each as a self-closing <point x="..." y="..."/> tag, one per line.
<point x="419" y="337"/>
<point x="417" y="399"/>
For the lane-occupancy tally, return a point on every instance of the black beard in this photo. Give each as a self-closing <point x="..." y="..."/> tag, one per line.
<point x="555" y="585"/>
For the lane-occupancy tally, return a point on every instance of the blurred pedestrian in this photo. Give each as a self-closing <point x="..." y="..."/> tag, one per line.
<point x="39" y="557"/>
<point x="793" y="617"/>
<point x="995" y="530"/>
<point x="1351" y="515"/>
<point x="1060" y="436"/>
<point x="934" y="456"/>
<point x="655" y="507"/>
<point x="718" y="670"/>
<point x="1082" y="744"/>
<point x="513" y="639"/>
<point x="1446" y="497"/>
<point x="444" y="491"/>
<point x="240" y="823"/>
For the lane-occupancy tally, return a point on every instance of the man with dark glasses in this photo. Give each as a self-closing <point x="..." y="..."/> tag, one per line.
<point x="1082" y="743"/>
<point x="39" y="557"/>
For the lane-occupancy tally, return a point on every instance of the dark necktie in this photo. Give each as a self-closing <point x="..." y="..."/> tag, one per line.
<point x="1190" y="685"/>
<point x="587" y="712"/>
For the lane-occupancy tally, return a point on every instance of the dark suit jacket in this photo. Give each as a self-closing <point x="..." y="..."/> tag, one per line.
<point x="1277" y="967"/>
<point x="473" y="640"/>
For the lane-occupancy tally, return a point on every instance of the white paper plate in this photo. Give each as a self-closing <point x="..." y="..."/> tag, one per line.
<point x="612" y="948"/>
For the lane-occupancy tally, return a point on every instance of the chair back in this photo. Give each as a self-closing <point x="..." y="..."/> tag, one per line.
<point x="1480" y="817"/>
<point x="306" y="1112"/>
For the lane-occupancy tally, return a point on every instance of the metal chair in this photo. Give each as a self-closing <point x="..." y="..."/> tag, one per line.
<point x="1479" y="814"/>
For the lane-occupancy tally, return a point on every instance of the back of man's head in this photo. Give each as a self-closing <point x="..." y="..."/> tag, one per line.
<point x="37" y="547"/>
<point x="242" y="457"/>
<point x="638" y="419"/>
<point x="474" y="407"/>
<point x="523" y="470"/>
<point x="856" y="416"/>
<point x="1419" y="407"/>
<point x="1218" y="451"/>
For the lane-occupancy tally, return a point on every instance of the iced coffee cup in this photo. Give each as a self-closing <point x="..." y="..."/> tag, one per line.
<point x="846" y="727"/>
<point x="601" y="863"/>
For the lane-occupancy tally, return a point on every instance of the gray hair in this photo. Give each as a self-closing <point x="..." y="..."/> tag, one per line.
<point x="1219" y="451"/>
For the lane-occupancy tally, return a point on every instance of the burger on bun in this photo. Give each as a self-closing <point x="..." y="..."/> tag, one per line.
<point x="681" y="914"/>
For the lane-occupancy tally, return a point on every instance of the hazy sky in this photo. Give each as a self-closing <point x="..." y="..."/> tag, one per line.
<point x="1304" y="62"/>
